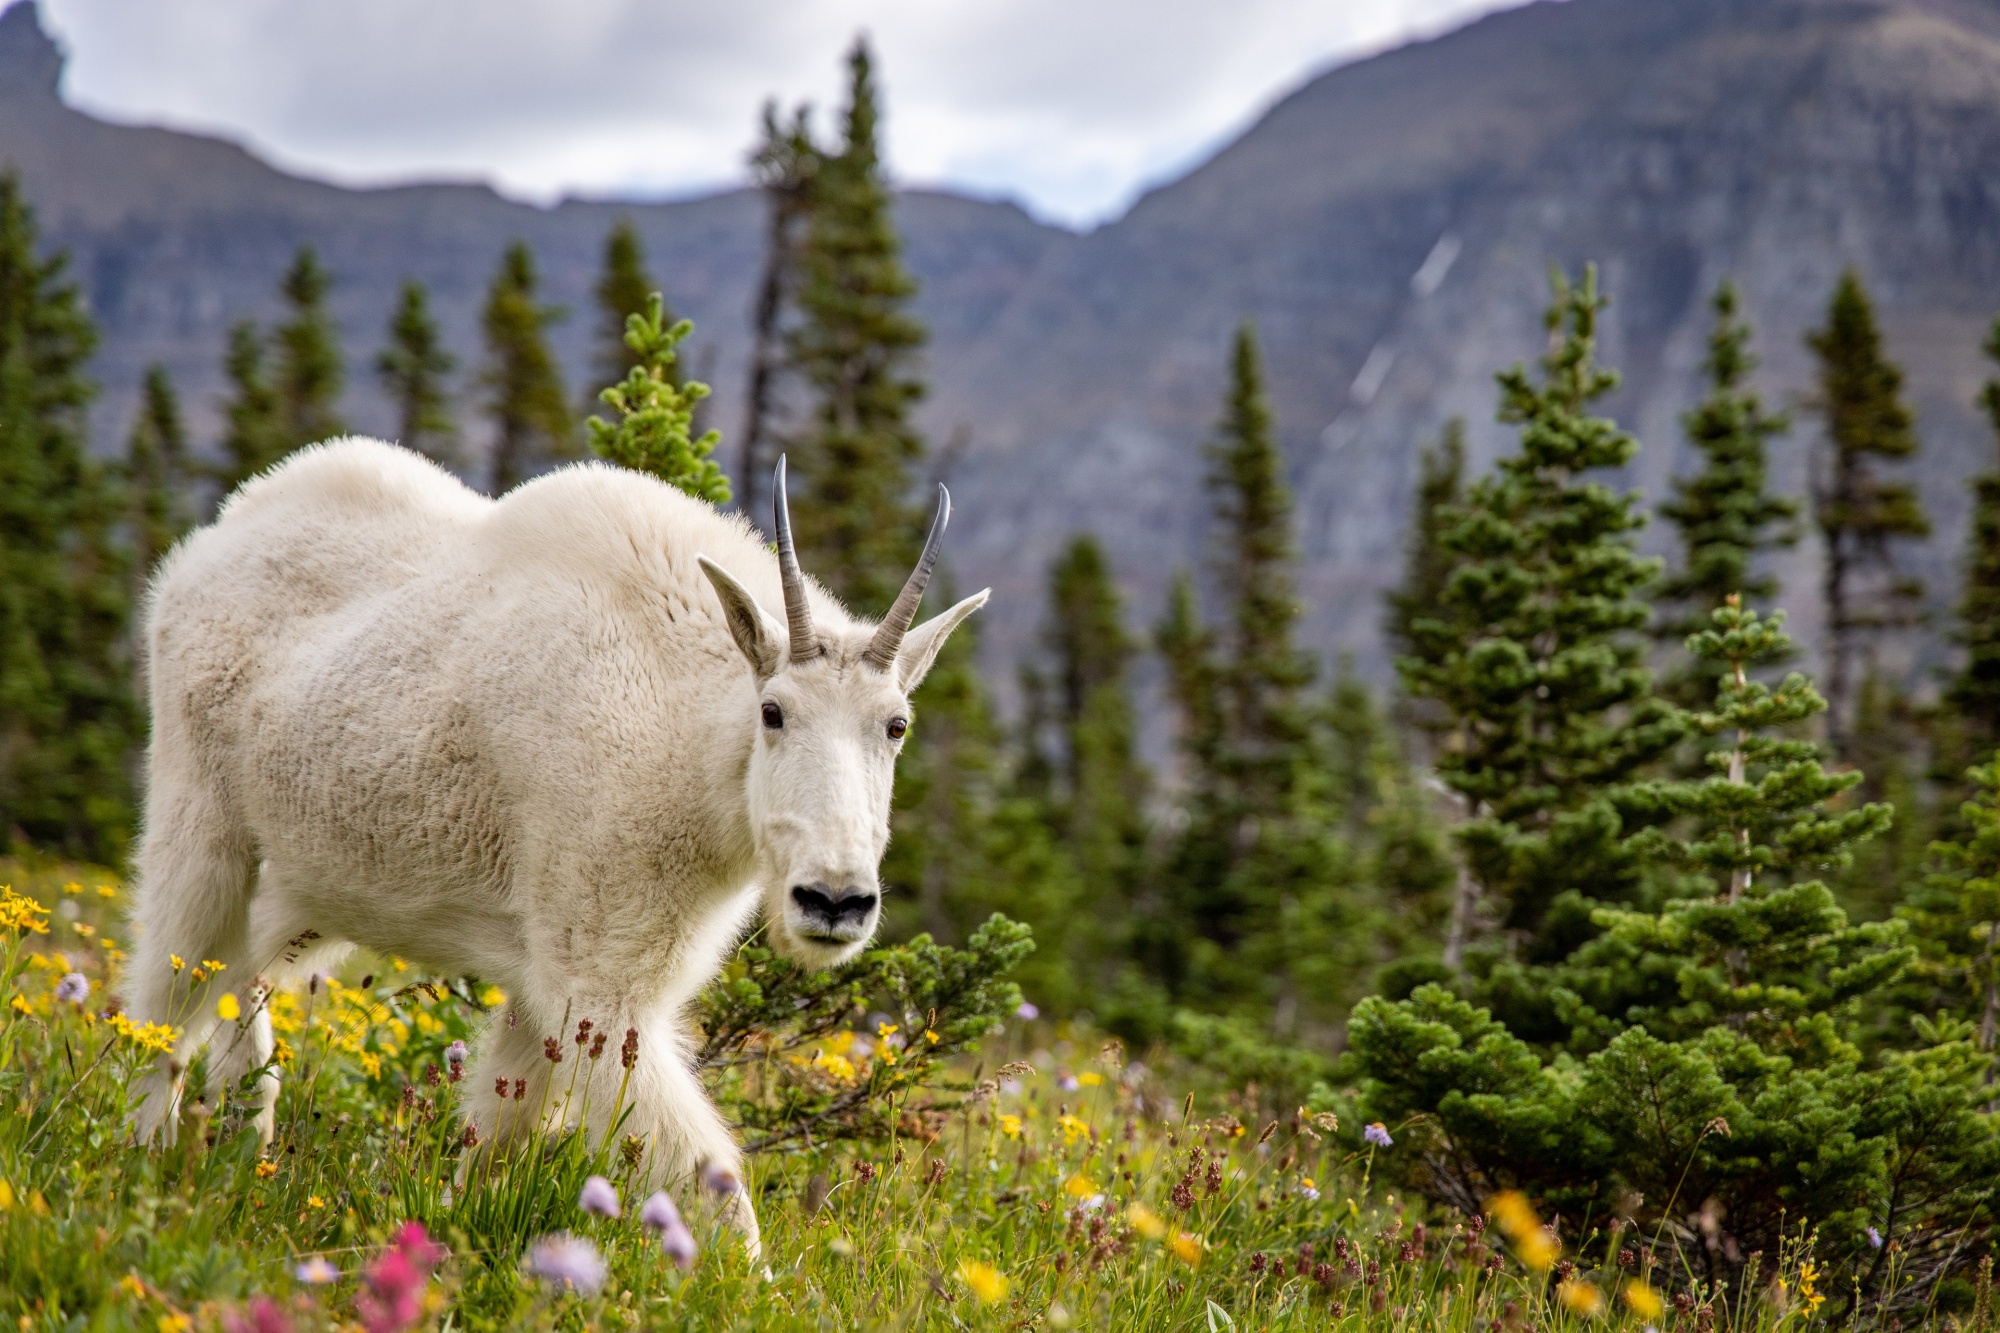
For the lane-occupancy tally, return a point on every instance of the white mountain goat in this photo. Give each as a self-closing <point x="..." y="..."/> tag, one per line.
<point x="553" y="740"/>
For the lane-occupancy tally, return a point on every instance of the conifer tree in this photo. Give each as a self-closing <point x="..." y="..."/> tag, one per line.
<point x="656" y="411"/>
<point x="309" y="363"/>
<point x="785" y="165"/>
<point x="854" y="349"/>
<point x="157" y="474"/>
<point x="67" y="717"/>
<point x="1860" y="512"/>
<point x="413" y="367"/>
<point x="1100" y="808"/>
<point x="1954" y="917"/>
<point x="1974" y="693"/>
<point x="1533" y="652"/>
<point x="529" y="407"/>
<point x="1710" y="1049"/>
<point x="1426" y="564"/>
<point x="255" y="438"/>
<point x="623" y="290"/>
<point x="1724" y="514"/>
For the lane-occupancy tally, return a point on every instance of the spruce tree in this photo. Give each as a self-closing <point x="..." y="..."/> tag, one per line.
<point x="413" y="367"/>
<point x="623" y="290"/>
<point x="255" y="438"/>
<point x="309" y="363"/>
<point x="157" y="474"/>
<point x="67" y="717"/>
<point x="1100" y="801"/>
<point x="1711" y="1050"/>
<point x="1724" y="514"/>
<point x="1954" y="917"/>
<point x="1860" y="512"/>
<point x="526" y="399"/>
<point x="854" y="349"/>
<point x="1426" y="564"/>
<point x="1534" y="654"/>
<point x="656" y="411"/>
<point x="785" y="165"/>
<point x="1974" y="693"/>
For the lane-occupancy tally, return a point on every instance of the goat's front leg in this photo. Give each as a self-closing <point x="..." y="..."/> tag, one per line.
<point x="688" y="1147"/>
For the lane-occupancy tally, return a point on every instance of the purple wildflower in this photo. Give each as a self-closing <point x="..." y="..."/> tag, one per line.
<point x="1874" y="1238"/>
<point x="599" y="1198"/>
<point x="570" y="1261"/>
<point x="1378" y="1134"/>
<point x="720" y="1180"/>
<point x="73" y="989"/>
<point x="1067" y="1081"/>
<point x="456" y="1053"/>
<point x="1027" y="1012"/>
<point x="660" y="1215"/>
<point x="316" y="1272"/>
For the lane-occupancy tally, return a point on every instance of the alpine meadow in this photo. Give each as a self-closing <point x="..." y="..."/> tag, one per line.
<point x="578" y="862"/>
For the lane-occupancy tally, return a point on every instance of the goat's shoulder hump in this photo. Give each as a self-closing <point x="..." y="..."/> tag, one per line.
<point x="357" y="476"/>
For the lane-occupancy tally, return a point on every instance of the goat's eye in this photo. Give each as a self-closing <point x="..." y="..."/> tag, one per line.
<point x="774" y="716"/>
<point x="897" y="727"/>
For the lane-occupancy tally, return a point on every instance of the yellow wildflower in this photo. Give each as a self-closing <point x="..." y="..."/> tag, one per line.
<point x="1010" y="1125"/>
<point x="199" y="975"/>
<point x="18" y="1003"/>
<point x="1090" y="1079"/>
<point x="1186" y="1247"/>
<point x="315" y="1201"/>
<point x="1145" y="1221"/>
<point x="493" y="997"/>
<point x="886" y="1030"/>
<point x="1645" y="1302"/>
<point x="228" y="1008"/>
<point x="212" y="965"/>
<point x="1516" y="1219"/>
<point x="72" y="888"/>
<point x="106" y="891"/>
<point x="988" y="1283"/>
<point x="177" y="961"/>
<point x="1808" y="1282"/>
<point x="282" y="1052"/>
<point x="22" y="914"/>
<point x="932" y="1037"/>
<point x="175" y="1322"/>
<point x="147" y="1036"/>
<point x="132" y="1286"/>
<point x="37" y="1205"/>
<point x="1581" y="1298"/>
<point x="1072" y="1129"/>
<point x="399" y="965"/>
<point x="6" y="1196"/>
<point x="839" y="1066"/>
<point x="371" y="1063"/>
<point x="1080" y="1186"/>
<point x="266" y="1169"/>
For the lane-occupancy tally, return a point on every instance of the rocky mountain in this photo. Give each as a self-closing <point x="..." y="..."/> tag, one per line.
<point x="1389" y="227"/>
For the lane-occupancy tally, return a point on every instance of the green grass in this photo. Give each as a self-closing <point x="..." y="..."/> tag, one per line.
<point x="1086" y="1194"/>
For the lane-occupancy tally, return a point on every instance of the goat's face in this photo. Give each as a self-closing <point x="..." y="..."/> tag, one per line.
<point x="831" y="717"/>
<point x="821" y="772"/>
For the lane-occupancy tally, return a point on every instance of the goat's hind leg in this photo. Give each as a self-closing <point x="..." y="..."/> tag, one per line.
<point x="195" y="877"/>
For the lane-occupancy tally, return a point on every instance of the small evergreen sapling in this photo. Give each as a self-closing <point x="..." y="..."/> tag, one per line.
<point x="1954" y="916"/>
<point x="656" y="412"/>
<point x="309" y="361"/>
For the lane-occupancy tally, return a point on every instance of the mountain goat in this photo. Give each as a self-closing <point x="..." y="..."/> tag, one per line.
<point x="553" y="740"/>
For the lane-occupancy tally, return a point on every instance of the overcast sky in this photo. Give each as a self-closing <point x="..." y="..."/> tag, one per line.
<point x="1071" y="107"/>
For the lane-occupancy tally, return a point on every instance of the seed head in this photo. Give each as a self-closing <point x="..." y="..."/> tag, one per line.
<point x="500" y="1088"/>
<point x="552" y="1050"/>
<point x="597" y="1046"/>
<point x="582" y="1031"/>
<point x="520" y="1089"/>
<point x="628" y="1054"/>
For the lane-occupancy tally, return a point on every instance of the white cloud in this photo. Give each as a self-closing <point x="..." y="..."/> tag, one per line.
<point x="1071" y="106"/>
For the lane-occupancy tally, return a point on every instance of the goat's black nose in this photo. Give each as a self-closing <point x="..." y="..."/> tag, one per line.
<point x="815" y="901"/>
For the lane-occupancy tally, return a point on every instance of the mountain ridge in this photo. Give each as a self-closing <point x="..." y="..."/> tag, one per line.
<point x="1388" y="226"/>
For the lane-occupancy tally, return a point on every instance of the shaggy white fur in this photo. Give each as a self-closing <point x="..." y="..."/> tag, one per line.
<point x="526" y="740"/>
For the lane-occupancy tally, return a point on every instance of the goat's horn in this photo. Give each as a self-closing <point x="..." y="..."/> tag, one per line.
<point x="889" y="634"/>
<point x="798" y="615"/>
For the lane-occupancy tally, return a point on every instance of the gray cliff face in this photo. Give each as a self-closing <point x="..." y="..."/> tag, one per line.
<point x="1389" y="227"/>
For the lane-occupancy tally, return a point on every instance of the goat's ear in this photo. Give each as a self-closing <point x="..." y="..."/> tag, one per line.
<point x="920" y="645"/>
<point x="761" y="638"/>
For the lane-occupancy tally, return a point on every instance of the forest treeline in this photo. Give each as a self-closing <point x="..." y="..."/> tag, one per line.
<point x="1603" y="901"/>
